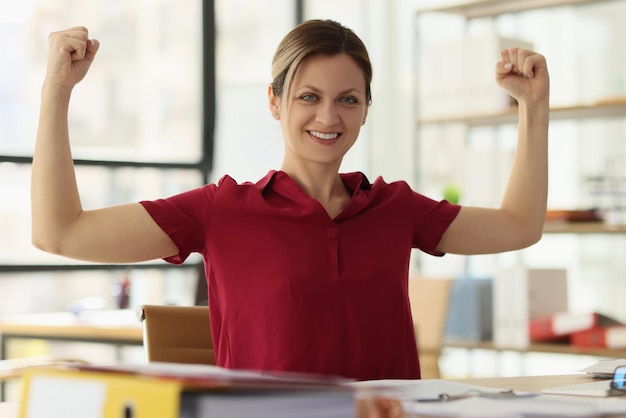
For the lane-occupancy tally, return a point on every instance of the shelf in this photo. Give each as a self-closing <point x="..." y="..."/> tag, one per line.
<point x="539" y="348"/>
<point x="492" y="8"/>
<point x="556" y="227"/>
<point x="613" y="107"/>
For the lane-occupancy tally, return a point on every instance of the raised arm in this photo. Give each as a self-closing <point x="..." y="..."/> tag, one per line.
<point x="519" y="221"/>
<point x="118" y="234"/>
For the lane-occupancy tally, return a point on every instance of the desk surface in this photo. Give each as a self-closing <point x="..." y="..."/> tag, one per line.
<point x="94" y="333"/>
<point x="522" y="383"/>
<point x="111" y="327"/>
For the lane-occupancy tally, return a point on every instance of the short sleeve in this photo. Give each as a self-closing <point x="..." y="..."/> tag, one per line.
<point x="184" y="218"/>
<point x="432" y="221"/>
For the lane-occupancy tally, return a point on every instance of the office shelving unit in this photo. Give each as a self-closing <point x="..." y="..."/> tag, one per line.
<point x="611" y="108"/>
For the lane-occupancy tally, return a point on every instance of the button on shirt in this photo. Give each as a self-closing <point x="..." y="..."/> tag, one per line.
<point x="291" y="289"/>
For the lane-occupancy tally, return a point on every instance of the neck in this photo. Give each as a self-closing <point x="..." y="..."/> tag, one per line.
<point x="320" y="182"/>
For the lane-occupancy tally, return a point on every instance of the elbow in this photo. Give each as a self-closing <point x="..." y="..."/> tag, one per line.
<point x="532" y="240"/>
<point x="531" y="236"/>
<point x="47" y="244"/>
<point x="53" y="237"/>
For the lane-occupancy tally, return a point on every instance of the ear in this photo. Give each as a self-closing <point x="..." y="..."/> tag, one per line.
<point x="364" y="116"/>
<point x="273" y="102"/>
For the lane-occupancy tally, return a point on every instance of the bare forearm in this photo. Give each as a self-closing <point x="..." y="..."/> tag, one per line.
<point x="526" y="194"/>
<point x="54" y="194"/>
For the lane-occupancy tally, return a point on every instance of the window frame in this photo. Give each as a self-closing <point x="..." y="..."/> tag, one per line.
<point x="203" y="166"/>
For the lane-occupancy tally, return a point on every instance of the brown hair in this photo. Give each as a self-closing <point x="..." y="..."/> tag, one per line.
<point x="325" y="37"/>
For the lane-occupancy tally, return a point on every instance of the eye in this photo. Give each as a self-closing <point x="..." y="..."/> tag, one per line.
<point x="349" y="100"/>
<point x="308" y="97"/>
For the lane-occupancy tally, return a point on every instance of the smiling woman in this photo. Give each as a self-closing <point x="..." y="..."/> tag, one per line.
<point x="307" y="268"/>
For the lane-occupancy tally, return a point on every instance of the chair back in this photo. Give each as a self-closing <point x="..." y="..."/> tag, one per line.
<point x="177" y="334"/>
<point x="429" y="306"/>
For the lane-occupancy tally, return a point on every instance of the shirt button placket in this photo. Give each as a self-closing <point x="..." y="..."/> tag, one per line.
<point x="332" y="233"/>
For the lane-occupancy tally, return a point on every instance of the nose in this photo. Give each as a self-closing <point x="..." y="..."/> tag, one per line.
<point x="328" y="113"/>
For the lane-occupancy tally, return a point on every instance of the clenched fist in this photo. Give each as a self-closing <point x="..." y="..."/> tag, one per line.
<point x="70" y="55"/>
<point x="524" y="75"/>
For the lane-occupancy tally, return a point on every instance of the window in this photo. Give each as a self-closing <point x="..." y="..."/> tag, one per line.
<point x="124" y="109"/>
<point x="139" y="130"/>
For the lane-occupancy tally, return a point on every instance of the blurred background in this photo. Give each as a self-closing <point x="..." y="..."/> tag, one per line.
<point x="178" y="97"/>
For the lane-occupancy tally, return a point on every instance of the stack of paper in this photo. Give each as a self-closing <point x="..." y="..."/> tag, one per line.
<point x="539" y="406"/>
<point x="442" y="398"/>
<point x="604" y="368"/>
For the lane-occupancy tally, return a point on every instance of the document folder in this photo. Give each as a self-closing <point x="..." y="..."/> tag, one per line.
<point x="175" y="391"/>
<point x="74" y="394"/>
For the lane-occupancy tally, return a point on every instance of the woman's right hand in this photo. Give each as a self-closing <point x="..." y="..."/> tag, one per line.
<point x="71" y="53"/>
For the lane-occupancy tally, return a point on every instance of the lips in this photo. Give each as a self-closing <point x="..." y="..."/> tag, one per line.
<point x="326" y="136"/>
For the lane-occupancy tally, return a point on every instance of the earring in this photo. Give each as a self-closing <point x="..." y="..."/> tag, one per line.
<point x="276" y="115"/>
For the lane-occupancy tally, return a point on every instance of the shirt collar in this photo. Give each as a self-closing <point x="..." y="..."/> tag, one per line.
<point x="355" y="181"/>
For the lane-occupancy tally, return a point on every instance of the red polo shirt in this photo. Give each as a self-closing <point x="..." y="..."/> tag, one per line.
<point x="291" y="289"/>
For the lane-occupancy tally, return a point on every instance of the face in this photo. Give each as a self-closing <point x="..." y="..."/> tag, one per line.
<point x="327" y="105"/>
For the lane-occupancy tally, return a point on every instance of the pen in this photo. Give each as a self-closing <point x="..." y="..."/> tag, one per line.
<point x="505" y="394"/>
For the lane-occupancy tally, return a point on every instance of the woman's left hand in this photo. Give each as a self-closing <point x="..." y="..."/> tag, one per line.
<point x="523" y="74"/>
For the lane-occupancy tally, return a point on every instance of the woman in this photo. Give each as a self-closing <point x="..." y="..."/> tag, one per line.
<point x="307" y="268"/>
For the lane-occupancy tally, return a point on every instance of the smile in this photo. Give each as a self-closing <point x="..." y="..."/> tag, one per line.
<point x="325" y="136"/>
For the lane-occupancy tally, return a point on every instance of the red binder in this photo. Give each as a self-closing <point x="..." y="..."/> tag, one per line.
<point x="563" y="324"/>
<point x="601" y="337"/>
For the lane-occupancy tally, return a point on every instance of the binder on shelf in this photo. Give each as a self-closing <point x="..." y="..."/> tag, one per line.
<point x="521" y="294"/>
<point x="561" y="325"/>
<point x="612" y="337"/>
<point x="179" y="391"/>
<point x="470" y="311"/>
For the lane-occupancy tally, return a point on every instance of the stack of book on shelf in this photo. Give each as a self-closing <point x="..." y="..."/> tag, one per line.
<point x="587" y="329"/>
<point x="574" y="215"/>
<point x="168" y="390"/>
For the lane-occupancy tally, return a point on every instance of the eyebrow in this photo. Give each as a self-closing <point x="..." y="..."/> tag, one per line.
<point x="351" y="90"/>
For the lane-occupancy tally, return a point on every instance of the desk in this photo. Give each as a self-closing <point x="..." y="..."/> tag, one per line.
<point x="111" y="327"/>
<point x="524" y="383"/>
<point x="529" y="384"/>
<point x="116" y="335"/>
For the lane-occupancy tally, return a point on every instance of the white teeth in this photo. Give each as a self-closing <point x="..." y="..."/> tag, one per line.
<point x="322" y="135"/>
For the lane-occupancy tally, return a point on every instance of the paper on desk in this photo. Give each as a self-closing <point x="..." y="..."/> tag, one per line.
<point x="604" y="368"/>
<point x="526" y="405"/>
<point x="537" y="406"/>
<point x="419" y="389"/>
